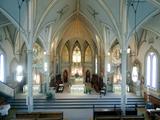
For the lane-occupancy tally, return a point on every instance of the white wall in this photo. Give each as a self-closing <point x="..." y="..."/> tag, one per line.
<point x="151" y="39"/>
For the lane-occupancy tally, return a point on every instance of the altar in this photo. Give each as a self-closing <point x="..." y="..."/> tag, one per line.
<point x="77" y="88"/>
<point x="36" y="89"/>
<point x="118" y="88"/>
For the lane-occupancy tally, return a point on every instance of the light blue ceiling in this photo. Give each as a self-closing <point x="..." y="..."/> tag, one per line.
<point x="96" y="12"/>
<point x="154" y="24"/>
<point x="144" y="11"/>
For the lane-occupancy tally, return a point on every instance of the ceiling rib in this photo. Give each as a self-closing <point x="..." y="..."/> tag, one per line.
<point x="107" y="10"/>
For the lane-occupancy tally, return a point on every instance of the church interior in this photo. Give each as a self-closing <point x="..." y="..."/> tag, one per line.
<point x="79" y="59"/>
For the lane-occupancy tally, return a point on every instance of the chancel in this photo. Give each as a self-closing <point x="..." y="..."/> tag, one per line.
<point x="80" y="59"/>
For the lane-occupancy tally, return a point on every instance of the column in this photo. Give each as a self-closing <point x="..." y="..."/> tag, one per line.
<point x="123" y="84"/>
<point x="83" y="64"/>
<point x="106" y="57"/>
<point x="29" y="99"/>
<point x="46" y="69"/>
<point x="105" y="69"/>
<point x="124" y="40"/>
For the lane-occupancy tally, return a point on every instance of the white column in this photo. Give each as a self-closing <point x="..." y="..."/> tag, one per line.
<point x="47" y="69"/>
<point x="124" y="56"/>
<point x="123" y="84"/>
<point x="30" y="83"/>
<point x="105" y="70"/>
<point x="106" y="60"/>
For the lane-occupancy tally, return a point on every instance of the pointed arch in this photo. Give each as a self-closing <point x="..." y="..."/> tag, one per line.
<point x="65" y="54"/>
<point x="76" y="44"/>
<point x="88" y="54"/>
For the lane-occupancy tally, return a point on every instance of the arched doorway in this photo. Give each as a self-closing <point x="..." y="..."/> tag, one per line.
<point x="65" y="76"/>
<point x="88" y="76"/>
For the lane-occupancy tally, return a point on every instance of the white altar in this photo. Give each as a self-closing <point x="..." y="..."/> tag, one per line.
<point x="36" y="88"/>
<point x="77" y="88"/>
<point x="117" y="88"/>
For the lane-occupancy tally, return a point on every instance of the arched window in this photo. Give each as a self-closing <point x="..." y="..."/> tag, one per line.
<point x="1" y="67"/>
<point x="151" y="69"/>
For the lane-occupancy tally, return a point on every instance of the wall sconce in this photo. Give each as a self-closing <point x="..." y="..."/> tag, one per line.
<point x="108" y="53"/>
<point x="128" y="50"/>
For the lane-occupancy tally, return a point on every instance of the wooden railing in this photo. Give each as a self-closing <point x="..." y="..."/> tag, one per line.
<point x="155" y="101"/>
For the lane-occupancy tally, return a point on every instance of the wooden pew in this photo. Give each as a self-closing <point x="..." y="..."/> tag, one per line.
<point x="51" y="116"/>
<point x="131" y="110"/>
<point x="130" y="117"/>
<point x="116" y="114"/>
<point x="40" y="116"/>
<point x="133" y="117"/>
<point x="107" y="114"/>
<point x="108" y="118"/>
<point x="26" y="116"/>
<point x="154" y="100"/>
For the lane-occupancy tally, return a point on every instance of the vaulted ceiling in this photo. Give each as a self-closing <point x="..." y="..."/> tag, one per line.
<point x="51" y="17"/>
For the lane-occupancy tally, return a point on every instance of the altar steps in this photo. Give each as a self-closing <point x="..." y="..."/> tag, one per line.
<point x="76" y="103"/>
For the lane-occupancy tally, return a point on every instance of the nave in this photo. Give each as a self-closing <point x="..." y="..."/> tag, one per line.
<point x="96" y="49"/>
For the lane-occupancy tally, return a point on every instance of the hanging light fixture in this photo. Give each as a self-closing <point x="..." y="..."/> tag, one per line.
<point x="19" y="69"/>
<point x="129" y="50"/>
<point x="20" y="3"/>
<point x="135" y="4"/>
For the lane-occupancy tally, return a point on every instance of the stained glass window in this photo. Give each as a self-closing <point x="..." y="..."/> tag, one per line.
<point x="76" y="65"/>
<point x="76" y="55"/>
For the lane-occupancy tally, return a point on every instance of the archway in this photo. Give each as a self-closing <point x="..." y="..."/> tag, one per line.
<point x="88" y="76"/>
<point x="65" y="76"/>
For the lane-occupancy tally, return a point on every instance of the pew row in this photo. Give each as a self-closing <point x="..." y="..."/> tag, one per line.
<point x="39" y="116"/>
<point x="129" y="117"/>
<point x="116" y="114"/>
